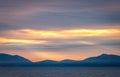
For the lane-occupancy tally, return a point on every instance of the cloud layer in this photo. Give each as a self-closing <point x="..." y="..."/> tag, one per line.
<point x="65" y="28"/>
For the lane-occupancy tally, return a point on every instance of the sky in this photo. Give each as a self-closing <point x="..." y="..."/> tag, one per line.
<point x="59" y="29"/>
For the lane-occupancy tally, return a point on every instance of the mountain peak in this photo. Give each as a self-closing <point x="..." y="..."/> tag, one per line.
<point x="49" y="61"/>
<point x="104" y="54"/>
<point x="11" y="59"/>
<point x="5" y="54"/>
<point x="67" y="61"/>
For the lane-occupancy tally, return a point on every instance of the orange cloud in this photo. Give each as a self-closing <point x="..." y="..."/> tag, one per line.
<point x="63" y="34"/>
<point x="6" y="40"/>
<point x="29" y="36"/>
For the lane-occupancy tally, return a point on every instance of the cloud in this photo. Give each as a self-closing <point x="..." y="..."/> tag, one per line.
<point x="56" y="40"/>
<point x="8" y="27"/>
<point x="61" y="45"/>
<point x="36" y="45"/>
<point x="83" y="26"/>
<point x="111" y="43"/>
<point x="12" y="48"/>
<point x="113" y="18"/>
<point x="59" y="34"/>
<point x="20" y="41"/>
<point x="15" y="10"/>
<point x="62" y="13"/>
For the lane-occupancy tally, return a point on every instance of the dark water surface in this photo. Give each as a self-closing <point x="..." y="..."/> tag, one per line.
<point x="59" y="71"/>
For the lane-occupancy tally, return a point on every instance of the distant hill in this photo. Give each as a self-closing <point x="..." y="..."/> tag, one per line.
<point x="101" y="60"/>
<point x="6" y="59"/>
<point x="104" y="58"/>
<point x="46" y="63"/>
<point x="67" y="61"/>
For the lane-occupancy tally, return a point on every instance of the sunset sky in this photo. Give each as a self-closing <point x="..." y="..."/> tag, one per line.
<point x="59" y="29"/>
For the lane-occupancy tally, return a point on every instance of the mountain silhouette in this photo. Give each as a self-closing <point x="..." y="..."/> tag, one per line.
<point x="46" y="63"/>
<point x="6" y="59"/>
<point x="67" y="61"/>
<point x="101" y="60"/>
<point x="104" y="58"/>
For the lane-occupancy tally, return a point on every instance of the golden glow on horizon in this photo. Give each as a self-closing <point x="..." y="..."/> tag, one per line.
<point x="54" y="56"/>
<point x="45" y="55"/>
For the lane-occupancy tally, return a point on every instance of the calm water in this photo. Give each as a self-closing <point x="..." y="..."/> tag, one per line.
<point x="59" y="71"/>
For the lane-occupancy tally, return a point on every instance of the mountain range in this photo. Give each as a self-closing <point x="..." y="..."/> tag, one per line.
<point x="101" y="60"/>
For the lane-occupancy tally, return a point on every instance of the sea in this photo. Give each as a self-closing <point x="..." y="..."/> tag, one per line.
<point x="59" y="71"/>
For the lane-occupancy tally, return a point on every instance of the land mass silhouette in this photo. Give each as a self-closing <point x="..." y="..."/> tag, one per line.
<point x="101" y="60"/>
